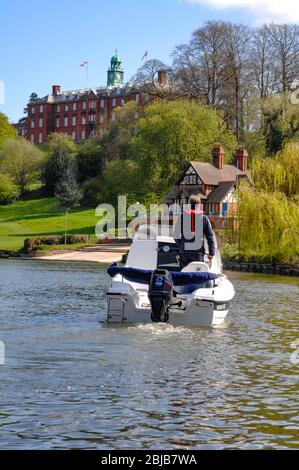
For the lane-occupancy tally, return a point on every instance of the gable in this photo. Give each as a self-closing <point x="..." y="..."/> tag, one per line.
<point x="190" y="177"/>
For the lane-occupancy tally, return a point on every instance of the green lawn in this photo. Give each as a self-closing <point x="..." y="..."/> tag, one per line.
<point x="25" y="219"/>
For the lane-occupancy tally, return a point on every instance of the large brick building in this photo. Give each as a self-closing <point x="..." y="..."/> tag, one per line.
<point x="79" y="114"/>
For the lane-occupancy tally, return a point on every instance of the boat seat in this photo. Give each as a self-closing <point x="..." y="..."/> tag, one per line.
<point x="196" y="267"/>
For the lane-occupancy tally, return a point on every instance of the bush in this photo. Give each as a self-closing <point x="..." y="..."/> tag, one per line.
<point x="31" y="244"/>
<point x="8" y="190"/>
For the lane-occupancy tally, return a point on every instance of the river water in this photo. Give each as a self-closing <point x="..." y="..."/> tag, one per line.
<point x="70" y="382"/>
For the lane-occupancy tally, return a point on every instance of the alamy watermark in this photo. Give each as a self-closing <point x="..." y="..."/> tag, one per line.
<point x="2" y="353"/>
<point x="2" y="92"/>
<point x="158" y="219"/>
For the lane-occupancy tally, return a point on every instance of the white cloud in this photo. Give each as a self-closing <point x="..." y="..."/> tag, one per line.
<point x="280" y="11"/>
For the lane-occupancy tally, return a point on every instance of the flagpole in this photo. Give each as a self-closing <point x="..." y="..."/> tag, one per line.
<point x="86" y="75"/>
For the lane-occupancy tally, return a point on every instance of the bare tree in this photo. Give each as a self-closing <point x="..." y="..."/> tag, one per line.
<point x="284" y="38"/>
<point x="236" y="83"/>
<point x="208" y="42"/>
<point x="261" y="56"/>
<point x="155" y="79"/>
<point x="188" y="72"/>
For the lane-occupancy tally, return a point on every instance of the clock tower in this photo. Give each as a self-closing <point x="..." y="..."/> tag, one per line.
<point x="115" y="74"/>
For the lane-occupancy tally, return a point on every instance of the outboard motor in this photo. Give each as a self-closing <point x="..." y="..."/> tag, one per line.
<point x="160" y="295"/>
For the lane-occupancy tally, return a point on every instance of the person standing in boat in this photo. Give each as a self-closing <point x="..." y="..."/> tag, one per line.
<point x="191" y="230"/>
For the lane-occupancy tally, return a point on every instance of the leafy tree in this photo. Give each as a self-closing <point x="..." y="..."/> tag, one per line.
<point x="170" y="135"/>
<point x="6" y="130"/>
<point x="22" y="161"/>
<point x="281" y="122"/>
<point x="116" y="142"/>
<point x="89" y="160"/>
<point x="279" y="174"/>
<point x="60" y="151"/>
<point x="8" y="190"/>
<point x="275" y="220"/>
<point x="119" y="179"/>
<point x="67" y="190"/>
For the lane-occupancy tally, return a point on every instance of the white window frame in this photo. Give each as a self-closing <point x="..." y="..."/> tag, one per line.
<point x="74" y="120"/>
<point x="66" y="121"/>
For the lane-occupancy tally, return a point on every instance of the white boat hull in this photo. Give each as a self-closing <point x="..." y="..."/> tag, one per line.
<point x="205" y="307"/>
<point x="128" y="302"/>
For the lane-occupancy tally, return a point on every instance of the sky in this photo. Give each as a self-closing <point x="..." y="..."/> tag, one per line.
<point x="42" y="43"/>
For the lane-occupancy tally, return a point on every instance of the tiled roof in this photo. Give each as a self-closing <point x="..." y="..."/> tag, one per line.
<point x="220" y="192"/>
<point x="210" y="175"/>
<point x="73" y="95"/>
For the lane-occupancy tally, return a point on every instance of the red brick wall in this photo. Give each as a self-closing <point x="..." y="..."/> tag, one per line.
<point x="51" y="112"/>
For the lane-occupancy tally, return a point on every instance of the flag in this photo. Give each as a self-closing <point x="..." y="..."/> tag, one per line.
<point x="84" y="64"/>
<point x="144" y="55"/>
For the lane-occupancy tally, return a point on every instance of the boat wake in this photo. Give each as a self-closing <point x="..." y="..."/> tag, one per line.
<point x="162" y="329"/>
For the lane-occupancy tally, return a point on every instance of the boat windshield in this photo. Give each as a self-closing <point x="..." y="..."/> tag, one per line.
<point x="168" y="259"/>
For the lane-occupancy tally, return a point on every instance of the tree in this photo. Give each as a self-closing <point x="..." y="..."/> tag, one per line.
<point x="284" y="38"/>
<point x="116" y="142"/>
<point x="275" y="220"/>
<point x="279" y="174"/>
<point x="67" y="190"/>
<point x="6" y="130"/>
<point x="22" y="161"/>
<point x="146" y="79"/>
<point x="281" y="122"/>
<point x="8" y="190"/>
<point x="198" y="66"/>
<point x="214" y="67"/>
<point x="168" y="137"/>
<point x="263" y="73"/>
<point x="60" y="151"/>
<point x="89" y="160"/>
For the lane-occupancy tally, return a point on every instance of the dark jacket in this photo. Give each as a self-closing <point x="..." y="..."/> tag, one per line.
<point x="192" y="228"/>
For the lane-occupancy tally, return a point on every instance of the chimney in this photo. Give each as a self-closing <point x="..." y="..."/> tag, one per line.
<point x="162" y="77"/>
<point x="56" y="90"/>
<point x="218" y="156"/>
<point x="241" y="159"/>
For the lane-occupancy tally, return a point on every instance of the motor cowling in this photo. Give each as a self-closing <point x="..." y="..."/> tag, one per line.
<point x="160" y="295"/>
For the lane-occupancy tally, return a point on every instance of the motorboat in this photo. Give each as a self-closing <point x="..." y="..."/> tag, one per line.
<point x="152" y="287"/>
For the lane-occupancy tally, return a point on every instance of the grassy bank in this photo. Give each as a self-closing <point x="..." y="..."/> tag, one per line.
<point x="41" y="217"/>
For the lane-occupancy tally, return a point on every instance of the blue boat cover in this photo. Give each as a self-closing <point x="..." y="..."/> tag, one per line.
<point x="184" y="283"/>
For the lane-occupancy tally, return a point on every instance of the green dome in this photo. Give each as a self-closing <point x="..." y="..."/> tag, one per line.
<point x="115" y="58"/>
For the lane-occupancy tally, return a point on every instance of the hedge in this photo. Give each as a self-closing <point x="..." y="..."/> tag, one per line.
<point x="31" y="244"/>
